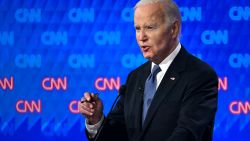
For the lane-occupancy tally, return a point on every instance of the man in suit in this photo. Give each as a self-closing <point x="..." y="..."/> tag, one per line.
<point x="172" y="97"/>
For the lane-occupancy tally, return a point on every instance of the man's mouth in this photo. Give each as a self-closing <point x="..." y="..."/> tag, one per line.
<point x="145" y="48"/>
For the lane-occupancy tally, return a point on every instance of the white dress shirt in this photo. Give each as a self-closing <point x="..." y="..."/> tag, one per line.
<point x="164" y="65"/>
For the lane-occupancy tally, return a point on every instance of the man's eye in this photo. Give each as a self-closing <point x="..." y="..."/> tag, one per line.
<point x="137" y="28"/>
<point x="150" y="27"/>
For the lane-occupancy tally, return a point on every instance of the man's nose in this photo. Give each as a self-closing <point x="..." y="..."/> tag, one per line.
<point x="143" y="36"/>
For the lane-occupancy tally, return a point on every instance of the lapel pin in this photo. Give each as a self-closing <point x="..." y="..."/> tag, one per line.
<point x="172" y="78"/>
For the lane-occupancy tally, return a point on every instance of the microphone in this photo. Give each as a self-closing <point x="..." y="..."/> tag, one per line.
<point x="121" y="92"/>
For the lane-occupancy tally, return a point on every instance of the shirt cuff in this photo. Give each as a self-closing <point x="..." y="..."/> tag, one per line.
<point x="92" y="129"/>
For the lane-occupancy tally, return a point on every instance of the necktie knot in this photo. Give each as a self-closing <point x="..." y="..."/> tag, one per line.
<point x="154" y="72"/>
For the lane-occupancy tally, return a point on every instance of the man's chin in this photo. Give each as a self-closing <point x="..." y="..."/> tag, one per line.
<point x="153" y="59"/>
<point x="147" y="57"/>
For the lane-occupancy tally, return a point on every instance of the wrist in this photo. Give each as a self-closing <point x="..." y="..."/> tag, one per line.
<point x="94" y="120"/>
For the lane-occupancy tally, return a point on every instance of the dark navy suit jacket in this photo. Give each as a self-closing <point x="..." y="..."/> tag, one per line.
<point x="183" y="108"/>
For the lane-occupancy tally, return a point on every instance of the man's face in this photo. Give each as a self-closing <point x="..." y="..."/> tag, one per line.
<point x="152" y="32"/>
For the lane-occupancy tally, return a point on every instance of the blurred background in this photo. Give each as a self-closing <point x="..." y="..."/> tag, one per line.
<point x="52" y="51"/>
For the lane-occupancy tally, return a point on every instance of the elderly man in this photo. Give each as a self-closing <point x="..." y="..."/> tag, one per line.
<point x="172" y="97"/>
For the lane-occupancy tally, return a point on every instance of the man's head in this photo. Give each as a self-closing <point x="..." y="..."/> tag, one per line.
<point x="157" y="24"/>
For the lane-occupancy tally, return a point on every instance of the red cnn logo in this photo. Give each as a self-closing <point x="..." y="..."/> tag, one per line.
<point x="24" y="106"/>
<point x="103" y="83"/>
<point x="7" y="83"/>
<point x="50" y="83"/>
<point x="239" y="107"/>
<point x="73" y="106"/>
<point x="223" y="84"/>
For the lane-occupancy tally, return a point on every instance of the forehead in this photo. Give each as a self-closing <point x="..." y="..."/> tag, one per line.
<point x="149" y="13"/>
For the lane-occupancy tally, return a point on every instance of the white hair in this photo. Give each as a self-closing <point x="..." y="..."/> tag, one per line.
<point x="144" y="2"/>
<point x="172" y="12"/>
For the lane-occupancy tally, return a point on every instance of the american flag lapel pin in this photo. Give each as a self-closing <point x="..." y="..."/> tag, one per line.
<point x="172" y="78"/>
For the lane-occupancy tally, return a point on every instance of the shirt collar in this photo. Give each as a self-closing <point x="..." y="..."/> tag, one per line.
<point x="164" y="65"/>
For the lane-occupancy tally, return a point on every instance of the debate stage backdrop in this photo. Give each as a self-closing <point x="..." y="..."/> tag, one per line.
<point x="52" y="51"/>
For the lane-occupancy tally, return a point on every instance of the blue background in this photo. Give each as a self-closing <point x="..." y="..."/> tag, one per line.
<point x="91" y="40"/>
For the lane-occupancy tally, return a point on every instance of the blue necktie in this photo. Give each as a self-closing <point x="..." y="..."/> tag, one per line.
<point x="149" y="91"/>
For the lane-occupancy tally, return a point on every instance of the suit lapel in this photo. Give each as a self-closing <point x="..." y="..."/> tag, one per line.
<point x="165" y="87"/>
<point x="139" y="95"/>
<point x="169" y="80"/>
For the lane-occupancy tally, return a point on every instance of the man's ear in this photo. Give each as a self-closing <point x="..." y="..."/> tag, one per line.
<point x="175" y="29"/>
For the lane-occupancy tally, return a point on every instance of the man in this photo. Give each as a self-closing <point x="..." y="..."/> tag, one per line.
<point x="172" y="97"/>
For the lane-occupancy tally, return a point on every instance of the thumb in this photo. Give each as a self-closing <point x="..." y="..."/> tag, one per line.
<point x="94" y="97"/>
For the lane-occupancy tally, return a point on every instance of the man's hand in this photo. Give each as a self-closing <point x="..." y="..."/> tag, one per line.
<point x="91" y="107"/>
